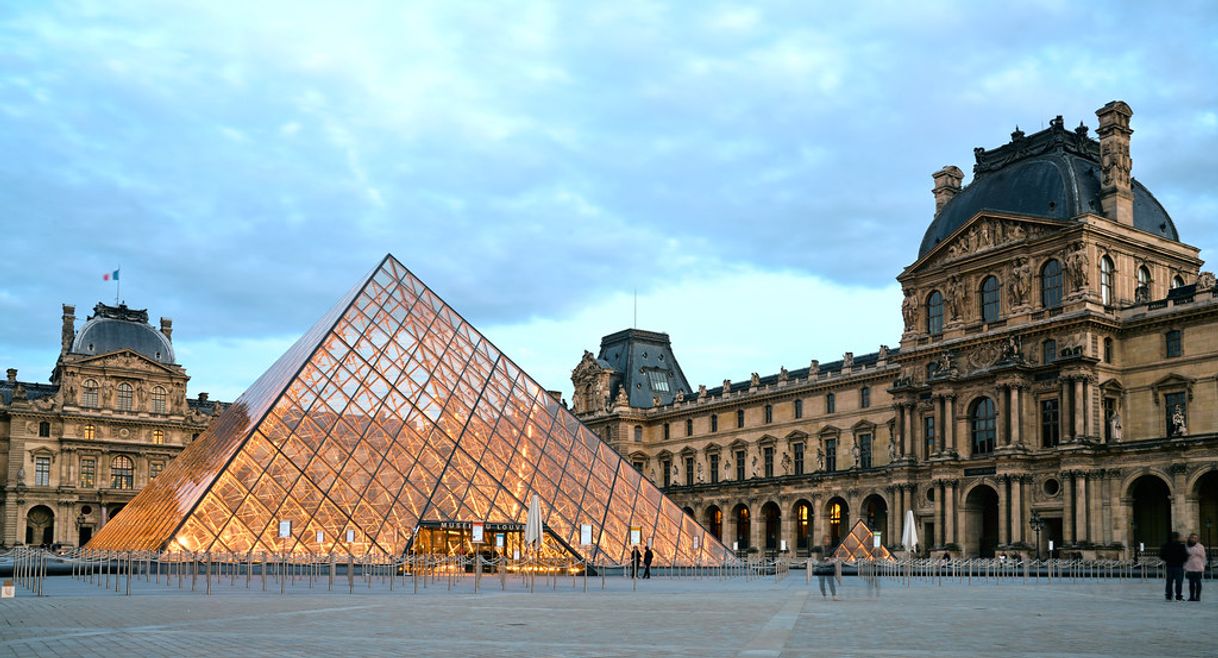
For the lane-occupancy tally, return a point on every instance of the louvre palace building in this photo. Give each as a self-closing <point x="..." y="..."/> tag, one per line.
<point x="75" y="450"/>
<point x="1056" y="381"/>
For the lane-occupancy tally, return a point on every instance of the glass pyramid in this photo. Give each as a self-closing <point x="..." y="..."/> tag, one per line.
<point x="389" y="413"/>
<point x="860" y="545"/>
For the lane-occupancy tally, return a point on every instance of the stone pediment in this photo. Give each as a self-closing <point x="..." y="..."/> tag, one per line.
<point x="984" y="233"/>
<point x="124" y="359"/>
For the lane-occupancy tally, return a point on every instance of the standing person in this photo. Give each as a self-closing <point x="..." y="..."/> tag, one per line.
<point x="1194" y="566"/>
<point x="635" y="556"/>
<point x="1174" y="555"/>
<point x="825" y="569"/>
<point x="647" y="557"/>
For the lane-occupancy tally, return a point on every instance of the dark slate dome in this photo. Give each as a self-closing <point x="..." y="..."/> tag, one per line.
<point x="113" y="328"/>
<point x="1052" y="174"/>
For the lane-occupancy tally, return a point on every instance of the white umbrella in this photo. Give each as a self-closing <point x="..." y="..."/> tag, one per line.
<point x="532" y="527"/>
<point x="909" y="537"/>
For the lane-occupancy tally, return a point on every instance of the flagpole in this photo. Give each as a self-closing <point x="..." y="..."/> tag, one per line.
<point x="118" y="292"/>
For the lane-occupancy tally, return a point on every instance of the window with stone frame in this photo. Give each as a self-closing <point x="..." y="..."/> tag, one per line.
<point x="1172" y="403"/>
<point x="983" y="421"/>
<point x="689" y="427"/>
<point x="865" y="451"/>
<point x="740" y="418"/>
<point x="830" y="455"/>
<point x="158" y="400"/>
<point x="934" y="313"/>
<point x="89" y="431"/>
<point x="638" y="433"/>
<point x="714" y="468"/>
<point x="44" y="429"/>
<point x="1177" y="281"/>
<point x="42" y="471"/>
<point x="689" y="471"/>
<point x="714" y="422"/>
<point x="928" y="434"/>
<point x="830" y="403"/>
<point x="1106" y="271"/>
<point x="667" y="432"/>
<point x="798" y="465"/>
<point x="638" y="465"/>
<point x="158" y="437"/>
<point x="865" y="397"/>
<point x="122" y="473"/>
<point x="155" y="468"/>
<point x="1050" y="422"/>
<point x="126" y="396"/>
<point x="1174" y="343"/>
<point x="1048" y="351"/>
<point x="769" y="414"/>
<point x="767" y="454"/>
<point x="798" y="409"/>
<point x="88" y="472"/>
<point x="666" y="471"/>
<point x="990" y="299"/>
<point x="88" y="393"/>
<point x="1108" y="350"/>
<point x="740" y="465"/>
<point x="1051" y="284"/>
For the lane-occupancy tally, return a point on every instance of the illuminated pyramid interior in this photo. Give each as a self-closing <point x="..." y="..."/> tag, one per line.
<point x="391" y="415"/>
<point x="860" y="545"/>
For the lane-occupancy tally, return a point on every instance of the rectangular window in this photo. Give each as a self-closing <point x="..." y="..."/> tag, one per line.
<point x="1109" y="412"/>
<point x="42" y="471"/>
<point x="714" y="468"/>
<point x="158" y="437"/>
<point x="658" y="380"/>
<point x="830" y="455"/>
<point x="740" y="465"/>
<point x="88" y="473"/>
<point x="1049" y="351"/>
<point x="799" y="458"/>
<point x="714" y="422"/>
<point x="1176" y="409"/>
<point x="768" y="453"/>
<point x="830" y="403"/>
<point x="769" y="414"/>
<point x="1174" y="346"/>
<point x="689" y="427"/>
<point x="689" y="471"/>
<point x="638" y="466"/>
<point x="1050" y="422"/>
<point x="864" y="451"/>
<point x="740" y="418"/>
<point x="667" y="432"/>
<point x="928" y="434"/>
<point x="44" y="429"/>
<point x="89" y="395"/>
<point x="865" y="397"/>
<point x="666" y="467"/>
<point x="638" y="433"/>
<point x="799" y="409"/>
<point x="154" y="469"/>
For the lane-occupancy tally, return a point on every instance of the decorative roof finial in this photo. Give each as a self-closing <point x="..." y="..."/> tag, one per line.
<point x="1058" y="122"/>
<point x="1081" y="131"/>
<point x="1017" y="135"/>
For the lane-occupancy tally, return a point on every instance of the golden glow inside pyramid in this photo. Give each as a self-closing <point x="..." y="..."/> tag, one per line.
<point x="390" y="417"/>
<point x="860" y="545"/>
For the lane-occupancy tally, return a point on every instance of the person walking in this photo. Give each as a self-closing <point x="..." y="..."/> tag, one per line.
<point x="635" y="556"/>
<point x="1194" y="566"/>
<point x="647" y="558"/>
<point x="1174" y="555"/>
<point x="826" y="570"/>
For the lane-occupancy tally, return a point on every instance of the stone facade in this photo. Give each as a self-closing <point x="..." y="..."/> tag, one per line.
<point x="1058" y="370"/>
<point x="75" y="450"/>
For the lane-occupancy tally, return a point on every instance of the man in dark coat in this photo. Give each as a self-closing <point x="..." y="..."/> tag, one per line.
<point x="1174" y="555"/>
<point x="647" y="557"/>
<point x="635" y="556"/>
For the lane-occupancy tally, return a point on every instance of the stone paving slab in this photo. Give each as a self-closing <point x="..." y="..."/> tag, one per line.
<point x="665" y="617"/>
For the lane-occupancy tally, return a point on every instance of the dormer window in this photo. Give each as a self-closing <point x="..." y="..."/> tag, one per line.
<point x="658" y="379"/>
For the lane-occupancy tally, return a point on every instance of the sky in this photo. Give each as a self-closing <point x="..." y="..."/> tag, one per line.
<point x="756" y="173"/>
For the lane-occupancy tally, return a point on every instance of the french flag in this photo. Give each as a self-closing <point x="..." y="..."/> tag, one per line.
<point x="110" y="276"/>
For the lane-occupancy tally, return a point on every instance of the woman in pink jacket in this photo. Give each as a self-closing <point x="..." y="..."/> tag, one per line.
<point x="1194" y="567"/>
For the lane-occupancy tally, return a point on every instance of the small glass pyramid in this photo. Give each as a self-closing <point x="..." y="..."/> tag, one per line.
<point x="860" y="545"/>
<point x="389" y="414"/>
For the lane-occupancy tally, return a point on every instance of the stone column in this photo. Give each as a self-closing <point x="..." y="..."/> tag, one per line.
<point x="953" y="522"/>
<point x="1096" y="511"/>
<point x="1078" y="432"/>
<point x="1004" y="516"/>
<point x="951" y="410"/>
<point x="1068" y="507"/>
<point x="1001" y="436"/>
<point x="940" y="513"/>
<point x="901" y="429"/>
<point x="1017" y="517"/>
<point x="1017" y="415"/>
<point x="1081" y="498"/>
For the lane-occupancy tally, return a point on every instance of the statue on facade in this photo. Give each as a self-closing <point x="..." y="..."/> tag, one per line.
<point x="813" y="369"/>
<point x="847" y="361"/>
<point x="1206" y="281"/>
<point x="786" y="463"/>
<point x="1077" y="264"/>
<point x="782" y="374"/>
<point x="954" y="298"/>
<point x="698" y="470"/>
<point x="1012" y="351"/>
<point x="680" y="396"/>
<point x="727" y="386"/>
<point x="701" y="390"/>
<point x="622" y="399"/>
<point x="892" y="451"/>
<point x="754" y="380"/>
<point x="854" y="452"/>
<point x="754" y="465"/>
<point x="820" y="459"/>
<point x="883" y="354"/>
<point x="1114" y="427"/>
<point x="1177" y="421"/>
<point x="909" y="309"/>
<point x="1021" y="282"/>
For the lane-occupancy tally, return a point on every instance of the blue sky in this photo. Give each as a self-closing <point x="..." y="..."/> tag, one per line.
<point x="759" y="172"/>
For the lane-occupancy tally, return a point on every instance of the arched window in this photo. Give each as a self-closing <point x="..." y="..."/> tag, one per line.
<point x="989" y="299"/>
<point x="803" y="525"/>
<point x="1106" y="269"/>
<point x="982" y="418"/>
<point x="44" y="429"/>
<point x="1144" y="277"/>
<point x="125" y="394"/>
<point x="1177" y="282"/>
<point x="158" y="400"/>
<point x="89" y="431"/>
<point x="715" y="518"/>
<point x="89" y="393"/>
<point x="158" y="437"/>
<point x="1051" y="284"/>
<point x="122" y="473"/>
<point x="934" y="313"/>
<point x="742" y="527"/>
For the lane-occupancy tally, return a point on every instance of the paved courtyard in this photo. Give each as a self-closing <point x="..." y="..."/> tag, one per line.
<point x="665" y="617"/>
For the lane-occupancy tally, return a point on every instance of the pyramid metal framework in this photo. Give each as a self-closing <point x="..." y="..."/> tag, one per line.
<point x="390" y="411"/>
<point x="859" y="544"/>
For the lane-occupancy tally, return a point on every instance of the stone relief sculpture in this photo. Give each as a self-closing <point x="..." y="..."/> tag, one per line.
<point x="1206" y="281"/>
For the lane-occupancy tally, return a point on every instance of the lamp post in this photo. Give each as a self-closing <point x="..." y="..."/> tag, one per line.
<point x="1037" y="524"/>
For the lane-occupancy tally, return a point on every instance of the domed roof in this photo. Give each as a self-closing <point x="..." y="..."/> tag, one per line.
<point x="1053" y="174"/>
<point x="113" y="328"/>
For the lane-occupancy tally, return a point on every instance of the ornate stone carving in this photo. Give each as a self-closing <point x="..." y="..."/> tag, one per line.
<point x="954" y="298"/>
<point x="813" y="369"/>
<point x="1179" y="428"/>
<point x="984" y="356"/>
<point x="1206" y="281"/>
<point x="754" y="380"/>
<point x="847" y="361"/>
<point x="1020" y="284"/>
<point x="989" y="234"/>
<point x="909" y="309"/>
<point x="1077" y="264"/>
<point x="782" y="375"/>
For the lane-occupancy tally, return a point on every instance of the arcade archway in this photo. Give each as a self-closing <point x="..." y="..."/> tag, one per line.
<point x="981" y="521"/>
<point x="1151" y="512"/>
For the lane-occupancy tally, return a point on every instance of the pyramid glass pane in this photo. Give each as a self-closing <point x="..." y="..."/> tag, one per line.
<point x="389" y="415"/>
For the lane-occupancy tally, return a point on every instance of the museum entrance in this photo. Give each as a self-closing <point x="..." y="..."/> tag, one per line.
<point x="498" y="540"/>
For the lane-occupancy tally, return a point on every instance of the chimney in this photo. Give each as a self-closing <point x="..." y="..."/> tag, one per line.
<point x="167" y="328"/>
<point x="202" y="397"/>
<point x="1116" y="191"/>
<point x="947" y="185"/>
<point x="12" y="376"/>
<point x="69" y="328"/>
